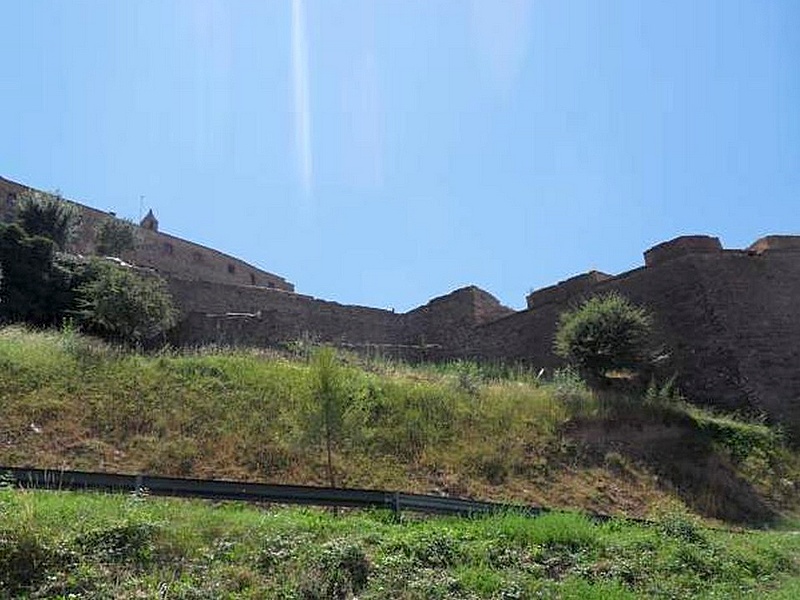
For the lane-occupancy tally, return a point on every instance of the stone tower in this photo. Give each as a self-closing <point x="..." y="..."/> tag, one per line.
<point x="149" y="222"/>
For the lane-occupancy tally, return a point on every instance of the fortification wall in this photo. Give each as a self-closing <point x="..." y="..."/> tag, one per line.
<point x="681" y="246"/>
<point x="775" y="243"/>
<point x="175" y="257"/>
<point x="256" y="316"/>
<point x="449" y="321"/>
<point x="247" y="315"/>
<point x="728" y="319"/>
<point x="754" y="299"/>
<point x="686" y="322"/>
<point x="580" y="284"/>
<point x="169" y="255"/>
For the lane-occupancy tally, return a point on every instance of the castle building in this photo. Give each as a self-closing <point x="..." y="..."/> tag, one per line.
<point x="171" y="256"/>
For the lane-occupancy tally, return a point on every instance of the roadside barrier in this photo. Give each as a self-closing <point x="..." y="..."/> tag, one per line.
<point x="211" y="489"/>
<point x="214" y="489"/>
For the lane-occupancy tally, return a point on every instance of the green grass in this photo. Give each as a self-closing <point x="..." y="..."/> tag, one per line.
<point x="183" y="411"/>
<point x="67" y="545"/>
<point x="490" y="431"/>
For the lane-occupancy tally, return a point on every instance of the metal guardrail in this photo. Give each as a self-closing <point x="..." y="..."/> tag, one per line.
<point x="256" y="492"/>
<point x="213" y="489"/>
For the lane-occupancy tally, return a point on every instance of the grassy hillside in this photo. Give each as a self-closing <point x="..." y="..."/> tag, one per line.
<point x="62" y="545"/>
<point x="72" y="402"/>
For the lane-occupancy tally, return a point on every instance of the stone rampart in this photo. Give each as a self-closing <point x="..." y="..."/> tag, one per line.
<point x="257" y="316"/>
<point x="728" y="321"/>
<point x="249" y="315"/>
<point x="684" y="322"/>
<point x="775" y="243"/>
<point x="681" y="246"/>
<point x="169" y="255"/>
<point x="449" y="321"/>
<point x="174" y="257"/>
<point x="580" y="284"/>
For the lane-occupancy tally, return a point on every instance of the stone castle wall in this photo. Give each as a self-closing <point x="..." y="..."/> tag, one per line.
<point x="169" y="255"/>
<point x="257" y="316"/>
<point x="579" y="284"/>
<point x="248" y="315"/>
<point x="449" y="321"/>
<point x="728" y="321"/>
<point x="682" y="246"/>
<point x="673" y="292"/>
<point x="174" y="257"/>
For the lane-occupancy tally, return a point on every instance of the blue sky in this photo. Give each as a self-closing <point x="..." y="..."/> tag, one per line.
<point x="386" y="152"/>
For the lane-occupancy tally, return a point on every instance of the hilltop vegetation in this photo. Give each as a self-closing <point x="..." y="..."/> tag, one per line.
<point x="42" y="285"/>
<point x="69" y="401"/>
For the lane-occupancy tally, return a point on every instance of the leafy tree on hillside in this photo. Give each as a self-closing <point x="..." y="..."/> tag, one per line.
<point x="329" y="400"/>
<point x="115" y="237"/>
<point x="47" y="216"/>
<point x="120" y="304"/>
<point x="33" y="288"/>
<point x="604" y="334"/>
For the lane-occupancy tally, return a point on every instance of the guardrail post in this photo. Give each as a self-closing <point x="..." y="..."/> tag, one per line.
<point x="396" y="505"/>
<point x="138" y="485"/>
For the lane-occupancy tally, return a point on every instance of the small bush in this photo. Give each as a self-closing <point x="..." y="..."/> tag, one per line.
<point x="605" y="334"/>
<point x="128" y="542"/>
<point x="569" y="388"/>
<point x="682" y="527"/>
<point x="429" y="549"/>
<point x="341" y="571"/>
<point x="25" y="560"/>
<point x="277" y="551"/>
<point x="662" y="395"/>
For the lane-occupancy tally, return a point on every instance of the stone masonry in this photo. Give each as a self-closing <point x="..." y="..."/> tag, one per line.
<point x="169" y="255"/>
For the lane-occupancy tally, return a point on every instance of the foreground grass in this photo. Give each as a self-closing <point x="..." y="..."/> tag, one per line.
<point x="71" y="402"/>
<point x="65" y="545"/>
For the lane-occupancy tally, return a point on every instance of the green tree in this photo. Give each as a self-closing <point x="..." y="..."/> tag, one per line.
<point x="114" y="237"/>
<point x="33" y="288"/>
<point x="47" y="216"/>
<point x="605" y="333"/>
<point x="120" y="304"/>
<point x="329" y="398"/>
